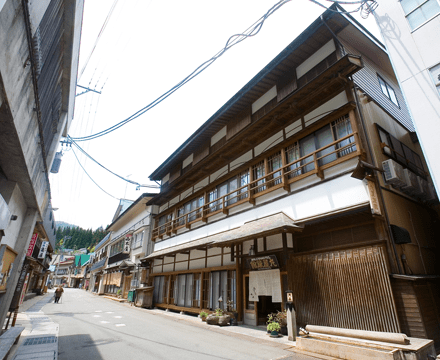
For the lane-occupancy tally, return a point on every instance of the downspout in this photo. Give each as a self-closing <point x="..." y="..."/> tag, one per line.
<point x="390" y="233"/>
<point x="27" y="22"/>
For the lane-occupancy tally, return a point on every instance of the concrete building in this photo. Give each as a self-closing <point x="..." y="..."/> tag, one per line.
<point x="129" y="242"/>
<point x="300" y="182"/>
<point x="38" y="70"/>
<point x="410" y="30"/>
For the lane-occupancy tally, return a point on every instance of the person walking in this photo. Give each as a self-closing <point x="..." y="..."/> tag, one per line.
<point x="58" y="292"/>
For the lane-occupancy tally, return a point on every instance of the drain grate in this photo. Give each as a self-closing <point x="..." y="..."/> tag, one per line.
<point x="40" y="340"/>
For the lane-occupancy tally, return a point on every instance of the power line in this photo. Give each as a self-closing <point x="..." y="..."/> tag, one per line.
<point x="233" y="40"/>
<point x="119" y="176"/>
<point x="92" y="178"/>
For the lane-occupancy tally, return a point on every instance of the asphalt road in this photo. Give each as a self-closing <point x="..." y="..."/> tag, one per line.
<point x="96" y="328"/>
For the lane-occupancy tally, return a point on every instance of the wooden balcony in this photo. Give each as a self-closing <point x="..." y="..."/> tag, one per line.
<point x="311" y="164"/>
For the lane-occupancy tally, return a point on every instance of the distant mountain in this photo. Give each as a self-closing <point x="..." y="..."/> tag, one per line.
<point x="62" y="225"/>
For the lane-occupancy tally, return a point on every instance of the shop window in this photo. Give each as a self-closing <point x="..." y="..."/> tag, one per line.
<point x="223" y="289"/>
<point x="417" y="12"/>
<point x="387" y="90"/>
<point x="117" y="248"/>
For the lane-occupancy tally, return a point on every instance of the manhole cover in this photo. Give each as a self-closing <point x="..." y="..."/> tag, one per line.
<point x="40" y="340"/>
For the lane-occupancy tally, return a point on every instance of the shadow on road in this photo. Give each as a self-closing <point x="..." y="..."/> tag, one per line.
<point x="74" y="347"/>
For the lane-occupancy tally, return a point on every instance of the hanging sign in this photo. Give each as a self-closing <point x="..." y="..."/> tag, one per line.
<point x="32" y="245"/>
<point x="43" y="249"/>
<point x="263" y="263"/>
<point x="127" y="243"/>
<point x="23" y="292"/>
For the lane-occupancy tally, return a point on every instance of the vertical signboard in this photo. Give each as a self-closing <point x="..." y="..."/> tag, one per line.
<point x="32" y="245"/>
<point x="127" y="243"/>
<point x="23" y="292"/>
<point x="43" y="249"/>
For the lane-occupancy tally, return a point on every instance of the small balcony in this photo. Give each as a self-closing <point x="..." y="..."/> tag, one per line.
<point x="312" y="164"/>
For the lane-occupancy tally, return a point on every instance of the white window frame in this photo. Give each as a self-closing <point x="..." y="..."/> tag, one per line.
<point x="417" y="8"/>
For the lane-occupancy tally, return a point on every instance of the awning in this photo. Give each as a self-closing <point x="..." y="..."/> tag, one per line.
<point x="268" y="225"/>
<point x="126" y="264"/>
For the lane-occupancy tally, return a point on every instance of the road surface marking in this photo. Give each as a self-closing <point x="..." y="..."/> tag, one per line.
<point x="96" y="315"/>
<point x="105" y="322"/>
<point x="117" y="317"/>
<point x="98" y="311"/>
<point x="109" y="312"/>
<point x="119" y="324"/>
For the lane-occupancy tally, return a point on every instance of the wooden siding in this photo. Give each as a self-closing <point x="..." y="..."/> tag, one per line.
<point x="200" y="154"/>
<point x="235" y="126"/>
<point x="367" y="80"/>
<point x="348" y="289"/>
<point x="417" y="309"/>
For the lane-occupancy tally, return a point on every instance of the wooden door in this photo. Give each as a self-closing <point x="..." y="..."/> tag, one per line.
<point x="127" y="284"/>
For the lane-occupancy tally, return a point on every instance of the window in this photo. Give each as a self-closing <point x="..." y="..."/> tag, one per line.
<point x="400" y="152"/>
<point x="258" y="172"/>
<point x="138" y="240"/>
<point x="117" y="248"/>
<point x="223" y="289"/>
<point x="435" y="75"/>
<point x="387" y="90"/>
<point x="274" y="163"/>
<point x="417" y="12"/>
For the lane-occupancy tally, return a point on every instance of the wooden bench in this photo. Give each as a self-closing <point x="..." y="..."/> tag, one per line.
<point x="8" y="339"/>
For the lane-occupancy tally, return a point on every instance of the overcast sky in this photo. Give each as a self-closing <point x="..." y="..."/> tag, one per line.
<point x="147" y="47"/>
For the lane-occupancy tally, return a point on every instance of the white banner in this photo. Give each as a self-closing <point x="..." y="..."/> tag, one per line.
<point x="43" y="250"/>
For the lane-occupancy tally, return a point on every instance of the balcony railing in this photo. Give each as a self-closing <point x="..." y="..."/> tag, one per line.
<point x="314" y="163"/>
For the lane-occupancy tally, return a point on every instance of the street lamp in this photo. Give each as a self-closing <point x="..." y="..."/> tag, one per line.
<point x="291" y="316"/>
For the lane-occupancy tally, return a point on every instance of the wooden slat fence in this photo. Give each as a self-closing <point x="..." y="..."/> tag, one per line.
<point x="348" y="289"/>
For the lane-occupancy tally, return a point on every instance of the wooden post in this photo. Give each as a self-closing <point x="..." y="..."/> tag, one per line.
<point x="239" y="284"/>
<point x="291" y="322"/>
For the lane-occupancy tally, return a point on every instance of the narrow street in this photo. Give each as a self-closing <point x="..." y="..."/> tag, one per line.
<point x="91" y="327"/>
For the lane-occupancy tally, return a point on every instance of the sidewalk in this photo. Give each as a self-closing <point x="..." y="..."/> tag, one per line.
<point x="39" y="339"/>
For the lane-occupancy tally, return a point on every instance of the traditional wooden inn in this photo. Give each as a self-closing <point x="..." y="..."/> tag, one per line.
<point x="300" y="182"/>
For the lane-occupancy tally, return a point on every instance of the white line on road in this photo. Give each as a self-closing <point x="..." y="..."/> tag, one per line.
<point x="98" y="311"/>
<point x="96" y="315"/>
<point x="105" y="322"/>
<point x="117" y="317"/>
<point x="109" y="312"/>
<point x="119" y="324"/>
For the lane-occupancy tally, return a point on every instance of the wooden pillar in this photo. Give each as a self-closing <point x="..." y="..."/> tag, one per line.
<point x="239" y="282"/>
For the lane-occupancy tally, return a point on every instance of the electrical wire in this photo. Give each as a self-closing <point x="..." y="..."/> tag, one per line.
<point x="107" y="19"/>
<point x="74" y="153"/>
<point x="119" y="176"/>
<point x="232" y="41"/>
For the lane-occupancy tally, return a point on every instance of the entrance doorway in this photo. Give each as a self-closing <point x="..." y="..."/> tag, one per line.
<point x="265" y="306"/>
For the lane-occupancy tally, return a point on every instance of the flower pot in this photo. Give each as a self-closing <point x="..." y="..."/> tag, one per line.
<point x="274" y="333"/>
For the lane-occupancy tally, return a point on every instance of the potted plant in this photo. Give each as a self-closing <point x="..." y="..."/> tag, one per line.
<point x="274" y="328"/>
<point x="281" y="318"/>
<point x="118" y="293"/>
<point x="203" y="315"/>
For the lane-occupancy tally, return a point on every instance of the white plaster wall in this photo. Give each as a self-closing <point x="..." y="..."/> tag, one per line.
<point x="219" y="173"/>
<point x="214" y="261"/>
<point x="241" y="160"/>
<point x="187" y="161"/>
<point x="227" y="260"/>
<point x="197" y="264"/>
<point x="316" y="58"/>
<point x="17" y="206"/>
<point x="181" y="266"/>
<point x="263" y="100"/>
<point x="412" y="54"/>
<point x="168" y="267"/>
<point x="201" y="184"/>
<point x="334" y="195"/>
<point x="326" y="108"/>
<point x="274" y="242"/>
<point x="293" y="128"/>
<point x="220" y="134"/>
<point x="260" y="244"/>
<point x="269" y="143"/>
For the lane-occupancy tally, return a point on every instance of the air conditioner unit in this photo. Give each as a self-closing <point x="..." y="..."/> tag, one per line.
<point x="412" y="186"/>
<point x="393" y="173"/>
<point x="424" y="185"/>
<point x="432" y="194"/>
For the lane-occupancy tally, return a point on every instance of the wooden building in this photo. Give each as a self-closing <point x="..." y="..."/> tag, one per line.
<point x="284" y="187"/>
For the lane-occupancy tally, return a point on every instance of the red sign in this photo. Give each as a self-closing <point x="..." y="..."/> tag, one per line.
<point x="32" y="245"/>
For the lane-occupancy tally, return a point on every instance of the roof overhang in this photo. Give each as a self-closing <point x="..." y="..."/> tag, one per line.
<point x="269" y="225"/>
